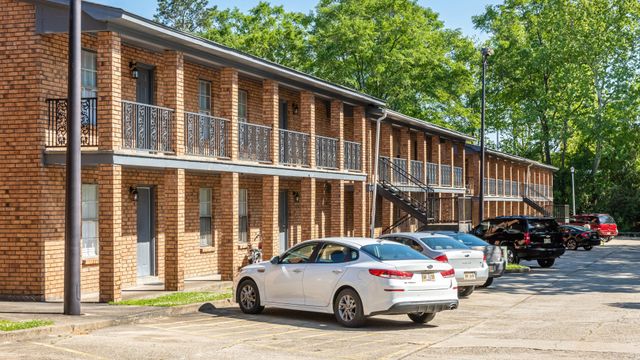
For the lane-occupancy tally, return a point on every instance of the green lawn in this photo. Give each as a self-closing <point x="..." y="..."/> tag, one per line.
<point x="176" y="299"/>
<point x="7" y="325"/>
<point x="515" y="267"/>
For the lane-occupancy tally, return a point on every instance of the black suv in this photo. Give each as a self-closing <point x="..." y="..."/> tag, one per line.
<point x="526" y="237"/>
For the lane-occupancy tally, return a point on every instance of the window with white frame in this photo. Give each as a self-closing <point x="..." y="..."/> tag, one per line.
<point x="90" y="228"/>
<point x="206" y="239"/>
<point x="243" y="211"/>
<point x="204" y="97"/>
<point x="242" y="105"/>
<point x="89" y="74"/>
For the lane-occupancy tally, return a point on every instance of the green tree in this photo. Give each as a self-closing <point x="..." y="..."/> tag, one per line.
<point x="185" y="15"/>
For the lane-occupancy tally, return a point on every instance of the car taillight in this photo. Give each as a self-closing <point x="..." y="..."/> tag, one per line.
<point x="484" y="257"/>
<point x="442" y="258"/>
<point x="448" y="273"/>
<point x="527" y="239"/>
<point x="391" y="274"/>
<point x="586" y="235"/>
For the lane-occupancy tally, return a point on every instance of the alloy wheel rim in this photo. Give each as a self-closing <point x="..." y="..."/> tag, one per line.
<point x="347" y="308"/>
<point x="248" y="297"/>
<point x="510" y="256"/>
<point x="571" y="244"/>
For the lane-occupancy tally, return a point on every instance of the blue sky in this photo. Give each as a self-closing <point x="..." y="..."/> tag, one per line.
<point x="455" y="13"/>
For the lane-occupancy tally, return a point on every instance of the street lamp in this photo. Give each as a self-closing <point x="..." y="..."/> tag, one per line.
<point x="573" y="190"/>
<point x="486" y="52"/>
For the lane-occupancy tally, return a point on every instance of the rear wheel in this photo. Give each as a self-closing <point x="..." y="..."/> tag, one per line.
<point x="488" y="282"/>
<point x="465" y="291"/>
<point x="572" y="244"/>
<point x="512" y="258"/>
<point x="421" y="318"/>
<point x="546" y="263"/>
<point x="588" y="247"/>
<point x="347" y="308"/>
<point x="249" y="298"/>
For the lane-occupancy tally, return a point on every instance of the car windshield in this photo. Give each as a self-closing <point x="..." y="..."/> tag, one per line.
<point x="470" y="240"/>
<point x="606" y="219"/>
<point x="538" y="225"/>
<point x="386" y="251"/>
<point x="443" y="243"/>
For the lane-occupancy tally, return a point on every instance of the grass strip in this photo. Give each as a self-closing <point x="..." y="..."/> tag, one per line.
<point x="176" y="299"/>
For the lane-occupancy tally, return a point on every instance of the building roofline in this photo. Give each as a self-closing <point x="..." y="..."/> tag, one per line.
<point x="394" y="115"/>
<point x="476" y="148"/>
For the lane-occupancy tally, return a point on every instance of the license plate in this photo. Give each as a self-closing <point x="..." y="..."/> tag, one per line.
<point x="428" y="277"/>
<point x="469" y="276"/>
<point x="547" y="241"/>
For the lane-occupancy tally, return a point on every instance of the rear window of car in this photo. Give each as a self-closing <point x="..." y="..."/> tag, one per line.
<point x="443" y="243"/>
<point x="606" y="219"/>
<point x="470" y="240"/>
<point x="537" y="225"/>
<point x="388" y="251"/>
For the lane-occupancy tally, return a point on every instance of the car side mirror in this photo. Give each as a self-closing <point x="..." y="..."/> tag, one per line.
<point x="275" y="260"/>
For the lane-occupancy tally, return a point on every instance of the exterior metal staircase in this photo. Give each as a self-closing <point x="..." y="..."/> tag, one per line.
<point x="528" y="196"/>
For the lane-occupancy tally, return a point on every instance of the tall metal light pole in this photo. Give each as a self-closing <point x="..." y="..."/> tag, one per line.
<point x="573" y="190"/>
<point x="73" y="181"/>
<point x="486" y="52"/>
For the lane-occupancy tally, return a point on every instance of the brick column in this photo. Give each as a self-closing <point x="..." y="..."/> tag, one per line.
<point x="109" y="91"/>
<point x="337" y="127"/>
<point x="308" y="205"/>
<point x="337" y="208"/>
<point x="361" y="212"/>
<point x="229" y="258"/>
<point x="386" y="149"/>
<point x="173" y="204"/>
<point x="270" y="194"/>
<point x="270" y="112"/>
<point x="405" y="146"/>
<point x="360" y="134"/>
<point x="110" y="205"/>
<point x="422" y="154"/>
<point x="308" y="122"/>
<point x="173" y="84"/>
<point x="435" y="155"/>
<point x="229" y="106"/>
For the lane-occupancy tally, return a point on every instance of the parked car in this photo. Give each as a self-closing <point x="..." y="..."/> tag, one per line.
<point x="526" y="238"/>
<point x="496" y="262"/>
<point x="353" y="278"/>
<point x="470" y="265"/>
<point x="578" y="236"/>
<point x="603" y="224"/>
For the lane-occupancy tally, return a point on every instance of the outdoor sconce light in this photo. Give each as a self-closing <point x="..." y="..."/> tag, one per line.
<point x="133" y="191"/>
<point x="296" y="196"/>
<point x="134" y="69"/>
<point x="294" y="106"/>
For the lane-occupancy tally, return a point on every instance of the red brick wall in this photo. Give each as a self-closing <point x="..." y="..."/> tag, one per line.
<point x="192" y="74"/>
<point x="254" y="99"/>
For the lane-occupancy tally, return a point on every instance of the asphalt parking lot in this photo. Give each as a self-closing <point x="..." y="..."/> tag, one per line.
<point x="587" y="306"/>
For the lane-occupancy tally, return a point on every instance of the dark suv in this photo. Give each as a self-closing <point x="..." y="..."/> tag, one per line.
<point x="526" y="238"/>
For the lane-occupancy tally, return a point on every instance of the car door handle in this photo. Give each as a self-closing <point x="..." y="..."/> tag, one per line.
<point x="297" y="270"/>
<point x="337" y="271"/>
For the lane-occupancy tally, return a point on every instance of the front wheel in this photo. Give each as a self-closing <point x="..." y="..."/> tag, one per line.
<point x="546" y="263"/>
<point x="572" y="244"/>
<point x="347" y="308"/>
<point x="488" y="282"/>
<point x="421" y="318"/>
<point x="249" y="298"/>
<point x="465" y="291"/>
<point x="588" y="247"/>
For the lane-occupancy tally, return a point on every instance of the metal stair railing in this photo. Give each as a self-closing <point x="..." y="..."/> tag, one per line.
<point x="391" y="167"/>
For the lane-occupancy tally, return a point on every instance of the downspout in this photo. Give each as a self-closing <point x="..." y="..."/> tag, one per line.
<point x="376" y="167"/>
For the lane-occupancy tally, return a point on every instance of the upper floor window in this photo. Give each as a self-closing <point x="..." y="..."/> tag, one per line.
<point x="89" y="71"/>
<point x="242" y="105"/>
<point x="89" y="220"/>
<point x="204" y="97"/>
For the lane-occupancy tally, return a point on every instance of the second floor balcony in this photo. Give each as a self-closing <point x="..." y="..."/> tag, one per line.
<point x="147" y="127"/>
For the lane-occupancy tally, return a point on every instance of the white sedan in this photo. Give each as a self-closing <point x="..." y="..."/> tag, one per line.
<point x="353" y="278"/>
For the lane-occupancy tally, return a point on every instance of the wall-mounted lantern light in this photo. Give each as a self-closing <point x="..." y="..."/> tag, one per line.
<point x="296" y="196"/>
<point x="294" y="106"/>
<point x="133" y="191"/>
<point x="134" y="69"/>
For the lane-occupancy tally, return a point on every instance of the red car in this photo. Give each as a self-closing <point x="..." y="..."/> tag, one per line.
<point x="603" y="224"/>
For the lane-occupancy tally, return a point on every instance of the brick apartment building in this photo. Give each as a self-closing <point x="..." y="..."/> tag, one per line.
<point x="193" y="152"/>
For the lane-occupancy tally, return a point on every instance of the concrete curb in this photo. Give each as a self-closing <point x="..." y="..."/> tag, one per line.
<point x="89" y="326"/>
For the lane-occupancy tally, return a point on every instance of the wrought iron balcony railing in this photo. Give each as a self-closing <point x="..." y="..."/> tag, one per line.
<point x="206" y="135"/>
<point x="458" y="179"/>
<point x="326" y="152"/>
<point x="352" y="156"/>
<point x="57" y="129"/>
<point x="254" y="142"/>
<point x="417" y="169"/>
<point x="432" y="174"/>
<point x="500" y="188"/>
<point x="146" y="127"/>
<point x="294" y="148"/>
<point x="445" y="175"/>
<point x="399" y="171"/>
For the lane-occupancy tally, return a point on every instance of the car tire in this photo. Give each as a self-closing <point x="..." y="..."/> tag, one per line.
<point x="572" y="244"/>
<point x="347" y="308"/>
<point x="249" y="297"/>
<point x="488" y="282"/>
<point x="512" y="258"/>
<point x="546" y="263"/>
<point x="465" y="291"/>
<point x="421" y="318"/>
<point x="588" y="247"/>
